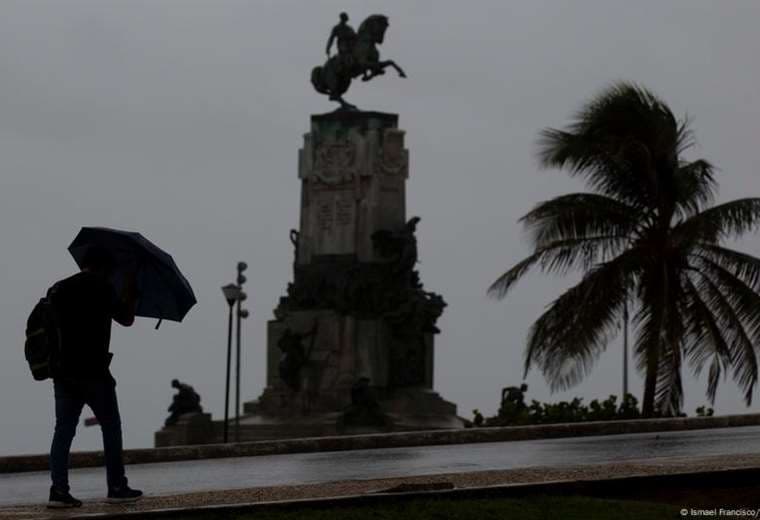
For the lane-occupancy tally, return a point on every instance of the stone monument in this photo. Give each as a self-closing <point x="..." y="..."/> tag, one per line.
<point x="351" y="345"/>
<point x="186" y="424"/>
<point x="185" y="401"/>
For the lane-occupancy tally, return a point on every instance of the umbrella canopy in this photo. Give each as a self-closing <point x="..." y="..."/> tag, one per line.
<point x="164" y="292"/>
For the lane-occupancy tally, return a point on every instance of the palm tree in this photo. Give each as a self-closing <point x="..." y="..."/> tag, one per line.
<point x="646" y="235"/>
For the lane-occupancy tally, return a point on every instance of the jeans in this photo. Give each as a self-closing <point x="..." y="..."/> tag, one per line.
<point x="70" y="398"/>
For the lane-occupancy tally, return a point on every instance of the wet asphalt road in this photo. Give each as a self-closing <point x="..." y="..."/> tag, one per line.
<point x="308" y="468"/>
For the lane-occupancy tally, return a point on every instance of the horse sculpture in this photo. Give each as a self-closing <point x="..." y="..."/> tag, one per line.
<point x="357" y="57"/>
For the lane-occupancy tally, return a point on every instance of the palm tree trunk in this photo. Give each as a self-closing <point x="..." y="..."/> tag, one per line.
<point x="657" y="289"/>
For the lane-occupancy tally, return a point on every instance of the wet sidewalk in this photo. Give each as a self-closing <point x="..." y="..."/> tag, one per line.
<point x="527" y="475"/>
<point x="190" y="476"/>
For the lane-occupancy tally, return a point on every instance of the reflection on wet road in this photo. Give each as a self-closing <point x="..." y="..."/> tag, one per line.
<point x="188" y="476"/>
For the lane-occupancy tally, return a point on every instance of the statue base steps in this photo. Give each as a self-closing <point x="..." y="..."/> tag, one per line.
<point x="409" y="410"/>
<point x="191" y="428"/>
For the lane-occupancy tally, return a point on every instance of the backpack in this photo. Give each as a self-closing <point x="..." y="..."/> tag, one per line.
<point x="43" y="339"/>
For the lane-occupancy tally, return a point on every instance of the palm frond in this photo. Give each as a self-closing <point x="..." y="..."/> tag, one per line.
<point x="504" y="283"/>
<point x="736" y="304"/>
<point x="563" y="149"/>
<point x="669" y="393"/>
<point x="626" y="111"/>
<point x="567" y="339"/>
<point x="695" y="187"/>
<point x="741" y="355"/>
<point x="560" y="256"/>
<point x="704" y="338"/>
<point x="624" y="143"/>
<point x="685" y="139"/>
<point x="741" y="265"/>
<point x="579" y="215"/>
<point x="606" y="171"/>
<point x="729" y="220"/>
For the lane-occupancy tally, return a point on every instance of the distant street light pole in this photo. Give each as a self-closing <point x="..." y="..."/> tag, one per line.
<point x="241" y="313"/>
<point x="231" y="294"/>
<point x="625" y="349"/>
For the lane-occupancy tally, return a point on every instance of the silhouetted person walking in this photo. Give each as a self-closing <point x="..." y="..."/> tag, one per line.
<point x="85" y="304"/>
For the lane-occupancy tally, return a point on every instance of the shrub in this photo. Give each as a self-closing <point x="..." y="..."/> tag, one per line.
<point x="514" y="412"/>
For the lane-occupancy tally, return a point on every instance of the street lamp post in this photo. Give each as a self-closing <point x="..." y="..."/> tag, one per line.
<point x="625" y="349"/>
<point x="231" y="294"/>
<point x="241" y="313"/>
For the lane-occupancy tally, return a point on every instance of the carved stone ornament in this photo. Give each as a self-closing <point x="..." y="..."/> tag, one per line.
<point x="392" y="159"/>
<point x="335" y="161"/>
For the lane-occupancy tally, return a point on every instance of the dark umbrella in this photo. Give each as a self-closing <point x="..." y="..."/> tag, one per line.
<point x="164" y="292"/>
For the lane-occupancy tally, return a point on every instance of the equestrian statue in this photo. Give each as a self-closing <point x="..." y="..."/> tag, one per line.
<point x="357" y="56"/>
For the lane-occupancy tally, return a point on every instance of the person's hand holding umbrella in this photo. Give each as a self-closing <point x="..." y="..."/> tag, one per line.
<point x="129" y="298"/>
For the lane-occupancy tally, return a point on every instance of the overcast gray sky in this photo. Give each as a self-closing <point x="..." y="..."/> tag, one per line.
<point x="182" y="120"/>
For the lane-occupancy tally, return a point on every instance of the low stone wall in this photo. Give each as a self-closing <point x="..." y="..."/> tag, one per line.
<point x="22" y="463"/>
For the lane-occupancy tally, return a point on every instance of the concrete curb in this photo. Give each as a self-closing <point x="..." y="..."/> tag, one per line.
<point x="22" y="463"/>
<point x="616" y="487"/>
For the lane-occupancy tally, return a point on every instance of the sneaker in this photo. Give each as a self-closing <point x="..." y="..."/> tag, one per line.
<point x="59" y="500"/>
<point x="123" y="495"/>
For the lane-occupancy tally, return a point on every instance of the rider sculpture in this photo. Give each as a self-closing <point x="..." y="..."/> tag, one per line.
<point x="357" y="56"/>
<point x="345" y="36"/>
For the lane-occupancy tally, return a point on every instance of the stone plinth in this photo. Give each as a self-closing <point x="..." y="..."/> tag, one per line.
<point x="353" y="167"/>
<point x="365" y="324"/>
<point x="190" y="428"/>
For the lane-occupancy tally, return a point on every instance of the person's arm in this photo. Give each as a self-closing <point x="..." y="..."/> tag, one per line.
<point x="124" y="312"/>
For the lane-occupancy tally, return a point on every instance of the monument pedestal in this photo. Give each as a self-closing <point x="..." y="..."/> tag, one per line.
<point x="352" y="345"/>
<point x="191" y="428"/>
<point x="351" y="348"/>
